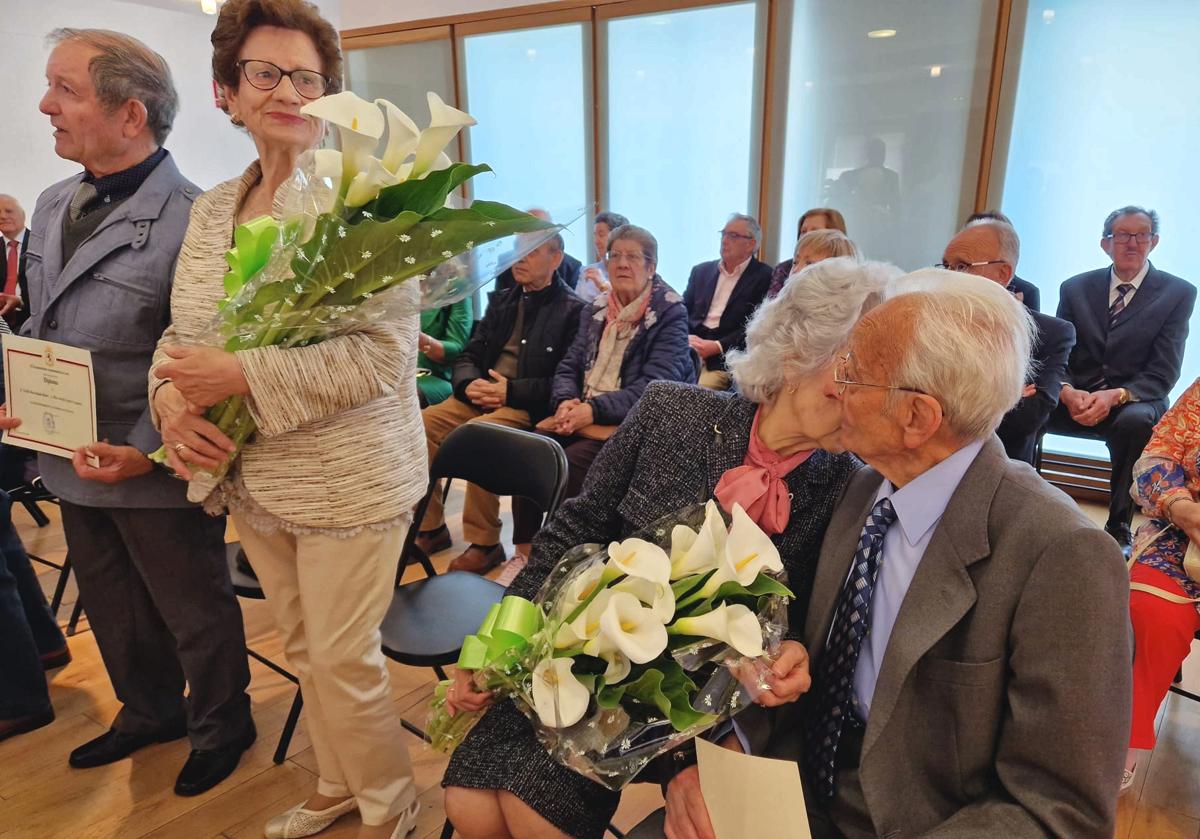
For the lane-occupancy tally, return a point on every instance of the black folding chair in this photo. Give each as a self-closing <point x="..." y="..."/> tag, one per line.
<point x="245" y="585"/>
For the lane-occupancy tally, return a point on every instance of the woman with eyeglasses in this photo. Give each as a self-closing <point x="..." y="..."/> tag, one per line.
<point x="322" y="494"/>
<point x="773" y="447"/>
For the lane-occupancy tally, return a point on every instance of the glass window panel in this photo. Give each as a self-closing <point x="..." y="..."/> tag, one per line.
<point x="528" y="90"/>
<point x="1090" y="134"/>
<point x="402" y="74"/>
<point x="887" y="130"/>
<point x="680" y="126"/>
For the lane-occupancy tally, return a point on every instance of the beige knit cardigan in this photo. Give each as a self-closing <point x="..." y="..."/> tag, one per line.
<point x="340" y="442"/>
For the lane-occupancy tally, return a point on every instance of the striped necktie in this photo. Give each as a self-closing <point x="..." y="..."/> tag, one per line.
<point x="1118" y="305"/>
<point x="836" y="673"/>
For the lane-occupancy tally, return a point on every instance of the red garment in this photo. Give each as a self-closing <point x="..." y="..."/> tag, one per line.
<point x="1162" y="633"/>
<point x="10" y="280"/>
<point x="757" y="485"/>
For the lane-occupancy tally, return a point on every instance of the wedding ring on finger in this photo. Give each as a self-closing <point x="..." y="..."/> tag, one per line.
<point x="180" y="448"/>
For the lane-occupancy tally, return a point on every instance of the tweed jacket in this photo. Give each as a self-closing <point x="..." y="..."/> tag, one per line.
<point x="1003" y="701"/>
<point x="111" y="298"/>
<point x="668" y="454"/>
<point x="657" y="351"/>
<point x="340" y="442"/>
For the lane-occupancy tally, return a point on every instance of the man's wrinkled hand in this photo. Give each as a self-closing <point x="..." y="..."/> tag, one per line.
<point x="117" y="463"/>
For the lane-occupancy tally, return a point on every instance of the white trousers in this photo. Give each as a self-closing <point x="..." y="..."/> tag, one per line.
<point x="329" y="597"/>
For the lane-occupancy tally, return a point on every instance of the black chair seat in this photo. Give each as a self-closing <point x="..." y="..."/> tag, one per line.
<point x="243" y="584"/>
<point x="428" y="618"/>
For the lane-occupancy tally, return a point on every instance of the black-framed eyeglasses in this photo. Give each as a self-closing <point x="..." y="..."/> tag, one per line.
<point x="266" y="76"/>
<point x="729" y="234"/>
<point x="965" y="267"/>
<point x="842" y="378"/>
<point x="1122" y="237"/>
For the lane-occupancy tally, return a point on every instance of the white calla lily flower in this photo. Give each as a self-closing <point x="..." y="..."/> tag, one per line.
<point x="658" y="596"/>
<point x="360" y="125"/>
<point x="748" y="552"/>
<point x="367" y="183"/>
<point x="628" y="626"/>
<point x="578" y="590"/>
<point x="444" y="124"/>
<point x="638" y="558"/>
<point x="734" y="625"/>
<point x="403" y="135"/>
<point x="559" y="698"/>
<point x="618" y="667"/>
<point x="586" y="627"/>
<point x="701" y="554"/>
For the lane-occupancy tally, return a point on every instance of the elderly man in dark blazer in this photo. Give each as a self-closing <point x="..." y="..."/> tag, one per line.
<point x="1131" y="324"/>
<point x="150" y="565"/>
<point x="956" y="690"/>
<point x="722" y="295"/>
<point x="14" y="237"/>
<point x="991" y="249"/>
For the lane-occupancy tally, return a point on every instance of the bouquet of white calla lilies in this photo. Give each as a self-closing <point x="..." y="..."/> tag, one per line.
<point x="627" y="650"/>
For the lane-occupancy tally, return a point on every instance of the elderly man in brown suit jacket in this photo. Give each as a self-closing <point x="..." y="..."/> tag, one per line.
<point x="968" y="627"/>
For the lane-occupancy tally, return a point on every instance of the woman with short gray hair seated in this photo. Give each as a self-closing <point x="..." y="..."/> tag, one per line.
<point x="772" y="448"/>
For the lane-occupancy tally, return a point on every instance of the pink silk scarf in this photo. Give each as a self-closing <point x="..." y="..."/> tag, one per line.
<point x="758" y="486"/>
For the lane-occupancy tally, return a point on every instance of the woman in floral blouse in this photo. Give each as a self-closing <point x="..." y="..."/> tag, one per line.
<point x="1166" y="485"/>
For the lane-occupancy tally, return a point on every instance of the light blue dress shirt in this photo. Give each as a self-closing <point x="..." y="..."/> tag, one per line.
<point x="919" y="506"/>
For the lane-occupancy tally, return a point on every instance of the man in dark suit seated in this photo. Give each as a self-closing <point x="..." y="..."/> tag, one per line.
<point x="722" y="294"/>
<point x="1131" y="323"/>
<point x="991" y="249"/>
<point x="957" y="691"/>
<point x="14" y="236"/>
<point x="1023" y="290"/>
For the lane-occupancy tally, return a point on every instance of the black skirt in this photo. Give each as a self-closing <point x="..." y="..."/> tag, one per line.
<point x="502" y="752"/>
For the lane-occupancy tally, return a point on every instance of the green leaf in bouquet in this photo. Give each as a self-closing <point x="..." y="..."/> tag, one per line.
<point x="424" y="195"/>
<point x="688" y="585"/>
<point x="763" y="585"/>
<point x="664" y="686"/>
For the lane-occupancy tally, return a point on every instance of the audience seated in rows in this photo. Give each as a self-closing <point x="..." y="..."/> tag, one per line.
<point x="594" y="278"/>
<point x="1131" y="324"/>
<point x="1162" y="604"/>
<point x="811" y="248"/>
<point x="818" y="218"/>
<point x="722" y="294"/>
<point x="678" y="446"/>
<point x="956" y="690"/>
<point x="1023" y="290"/>
<point x="503" y="376"/>
<point x="444" y="334"/>
<point x="14" y="236"/>
<point x="991" y="249"/>
<point x="568" y="270"/>
<point x="628" y="337"/>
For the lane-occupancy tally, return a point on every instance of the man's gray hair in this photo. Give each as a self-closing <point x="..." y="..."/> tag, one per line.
<point x="1130" y="210"/>
<point x="1010" y="242"/>
<point x="127" y="69"/>
<point x="970" y="348"/>
<point x="751" y="222"/>
<point x="803" y="329"/>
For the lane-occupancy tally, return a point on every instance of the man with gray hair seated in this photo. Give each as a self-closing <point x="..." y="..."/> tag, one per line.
<point x="722" y="294"/>
<point x="150" y="564"/>
<point x="968" y="626"/>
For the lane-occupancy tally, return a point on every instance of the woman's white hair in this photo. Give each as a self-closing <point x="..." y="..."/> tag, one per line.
<point x="970" y="348"/>
<point x="803" y="329"/>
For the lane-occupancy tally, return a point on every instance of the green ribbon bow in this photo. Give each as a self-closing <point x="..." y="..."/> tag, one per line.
<point x="251" y="249"/>
<point x="504" y="634"/>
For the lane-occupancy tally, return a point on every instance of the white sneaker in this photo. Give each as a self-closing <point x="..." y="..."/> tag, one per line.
<point x="1127" y="777"/>
<point x="408" y="821"/>
<point x="298" y="822"/>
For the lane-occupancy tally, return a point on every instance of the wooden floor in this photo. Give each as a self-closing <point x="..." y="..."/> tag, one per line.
<point x="42" y="798"/>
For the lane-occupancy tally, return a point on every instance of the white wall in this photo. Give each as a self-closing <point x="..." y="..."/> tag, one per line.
<point x="205" y="146"/>
<point x="360" y="13"/>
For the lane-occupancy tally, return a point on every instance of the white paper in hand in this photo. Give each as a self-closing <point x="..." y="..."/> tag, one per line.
<point x="751" y="796"/>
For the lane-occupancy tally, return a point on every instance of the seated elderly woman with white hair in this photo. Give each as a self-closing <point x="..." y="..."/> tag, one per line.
<point x="771" y="448"/>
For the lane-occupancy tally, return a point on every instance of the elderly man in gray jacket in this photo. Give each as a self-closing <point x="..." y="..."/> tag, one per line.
<point x="968" y="626"/>
<point x="151" y="566"/>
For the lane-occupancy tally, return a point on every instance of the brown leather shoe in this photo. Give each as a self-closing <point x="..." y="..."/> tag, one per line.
<point x="56" y="659"/>
<point x="432" y="541"/>
<point x="19" y="725"/>
<point x="478" y="559"/>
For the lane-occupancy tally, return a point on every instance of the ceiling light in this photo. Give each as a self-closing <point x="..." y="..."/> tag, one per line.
<point x="935" y="72"/>
<point x="882" y="33"/>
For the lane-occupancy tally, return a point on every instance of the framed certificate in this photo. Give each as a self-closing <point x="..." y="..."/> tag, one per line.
<point x="52" y="389"/>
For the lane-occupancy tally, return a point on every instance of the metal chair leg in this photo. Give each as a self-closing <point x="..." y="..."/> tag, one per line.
<point x="447" y="830"/>
<point x="289" y="728"/>
<point x="61" y="587"/>
<point x="441" y="674"/>
<point x="35" y="512"/>
<point x="75" y="613"/>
